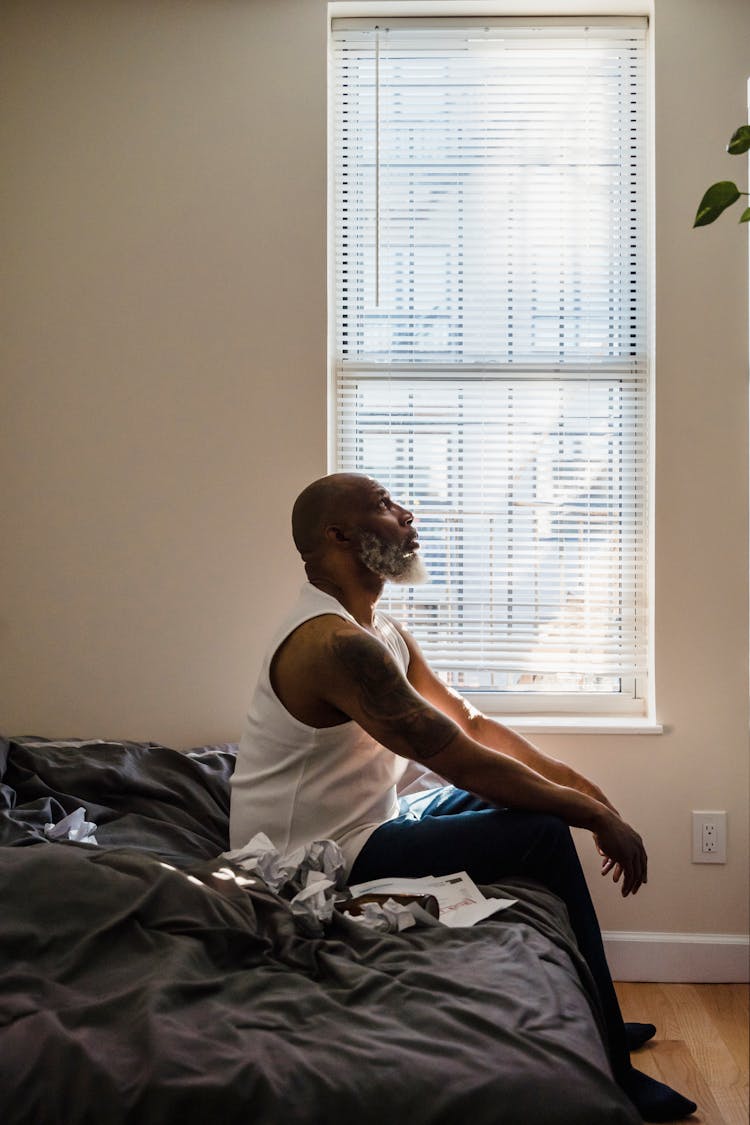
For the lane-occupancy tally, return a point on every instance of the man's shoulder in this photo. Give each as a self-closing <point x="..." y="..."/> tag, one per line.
<point x="312" y="639"/>
<point x="324" y="625"/>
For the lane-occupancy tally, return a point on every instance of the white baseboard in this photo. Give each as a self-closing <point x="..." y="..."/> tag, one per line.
<point x="687" y="958"/>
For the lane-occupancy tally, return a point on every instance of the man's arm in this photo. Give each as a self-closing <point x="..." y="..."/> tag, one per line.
<point x="488" y="731"/>
<point x="499" y="737"/>
<point x="356" y="674"/>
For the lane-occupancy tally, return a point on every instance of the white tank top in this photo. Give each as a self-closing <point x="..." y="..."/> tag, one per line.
<point x="299" y="783"/>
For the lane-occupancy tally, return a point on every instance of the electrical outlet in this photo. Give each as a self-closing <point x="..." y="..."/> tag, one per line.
<point x="709" y="837"/>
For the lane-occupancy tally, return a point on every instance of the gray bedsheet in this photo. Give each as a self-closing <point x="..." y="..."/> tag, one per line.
<point x="133" y="990"/>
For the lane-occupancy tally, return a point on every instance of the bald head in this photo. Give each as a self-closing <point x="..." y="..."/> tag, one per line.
<point x="329" y="500"/>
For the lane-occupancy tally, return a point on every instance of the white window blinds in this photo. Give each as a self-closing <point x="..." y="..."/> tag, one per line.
<point x="491" y="343"/>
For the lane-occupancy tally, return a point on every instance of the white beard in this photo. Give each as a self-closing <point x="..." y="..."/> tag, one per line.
<point x="391" y="561"/>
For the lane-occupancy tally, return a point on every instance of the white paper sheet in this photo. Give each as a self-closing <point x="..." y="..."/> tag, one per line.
<point x="74" y="826"/>
<point x="459" y="898"/>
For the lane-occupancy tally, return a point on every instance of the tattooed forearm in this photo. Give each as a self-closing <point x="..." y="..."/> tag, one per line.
<point x="387" y="698"/>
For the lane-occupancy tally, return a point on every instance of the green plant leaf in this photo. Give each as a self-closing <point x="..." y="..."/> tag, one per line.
<point x="740" y="141"/>
<point x="745" y="216"/>
<point x="717" y="199"/>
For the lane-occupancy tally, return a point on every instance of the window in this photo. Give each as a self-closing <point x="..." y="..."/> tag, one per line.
<point x="490" y="345"/>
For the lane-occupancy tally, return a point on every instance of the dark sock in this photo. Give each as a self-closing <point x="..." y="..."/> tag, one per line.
<point x="636" y="1034"/>
<point x="653" y="1100"/>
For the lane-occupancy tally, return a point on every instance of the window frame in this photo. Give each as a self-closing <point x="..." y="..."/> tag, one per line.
<point x="627" y="712"/>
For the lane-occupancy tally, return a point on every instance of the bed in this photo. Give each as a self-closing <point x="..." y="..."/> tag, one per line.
<point x="143" y="980"/>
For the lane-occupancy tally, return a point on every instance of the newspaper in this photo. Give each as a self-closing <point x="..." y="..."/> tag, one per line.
<point x="460" y="900"/>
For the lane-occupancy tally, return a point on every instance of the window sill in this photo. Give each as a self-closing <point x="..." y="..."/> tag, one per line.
<point x="579" y="724"/>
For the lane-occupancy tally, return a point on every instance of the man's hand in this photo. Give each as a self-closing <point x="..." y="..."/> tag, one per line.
<point x="623" y="853"/>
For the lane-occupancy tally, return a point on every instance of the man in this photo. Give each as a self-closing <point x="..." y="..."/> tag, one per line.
<point x="344" y="700"/>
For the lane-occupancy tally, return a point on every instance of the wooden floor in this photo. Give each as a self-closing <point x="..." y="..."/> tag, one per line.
<point x="701" y="1044"/>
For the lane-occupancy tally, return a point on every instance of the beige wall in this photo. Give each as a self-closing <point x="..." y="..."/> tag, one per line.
<point x="163" y="393"/>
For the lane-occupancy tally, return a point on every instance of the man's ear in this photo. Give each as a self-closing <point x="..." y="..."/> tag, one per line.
<point x="336" y="534"/>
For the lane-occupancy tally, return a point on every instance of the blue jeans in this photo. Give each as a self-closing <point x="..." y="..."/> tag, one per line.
<point x="456" y="831"/>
